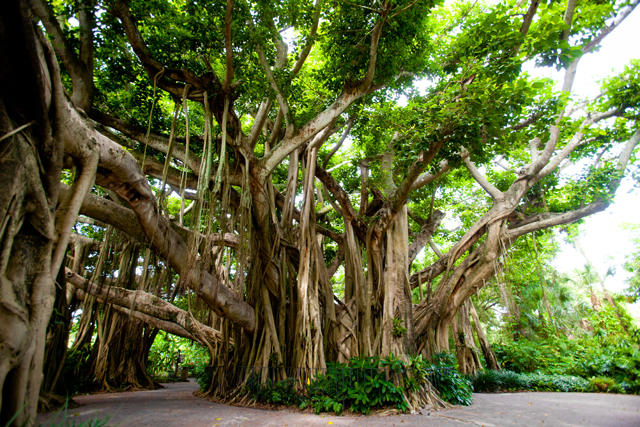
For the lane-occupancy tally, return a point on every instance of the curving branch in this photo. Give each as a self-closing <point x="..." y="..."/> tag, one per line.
<point x="570" y="74"/>
<point x="426" y="232"/>
<point x="528" y="17"/>
<point x="568" y="18"/>
<point x="576" y="140"/>
<point x="154" y="310"/>
<point x="546" y="220"/>
<point x="282" y="101"/>
<point x="336" y="147"/>
<point x="155" y="141"/>
<point x="168" y="76"/>
<point x="480" y="179"/>
<point x="348" y="211"/>
<point x="310" y="40"/>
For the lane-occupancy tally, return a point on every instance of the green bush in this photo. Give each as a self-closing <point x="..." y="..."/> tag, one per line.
<point x="203" y="376"/>
<point x="282" y="392"/>
<point x="489" y="381"/>
<point x="612" y="351"/>
<point x="620" y="363"/>
<point x="364" y="383"/>
<point x="604" y="385"/>
<point x="453" y="387"/>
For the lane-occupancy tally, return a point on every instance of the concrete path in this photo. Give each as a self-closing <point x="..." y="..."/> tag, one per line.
<point x="176" y="406"/>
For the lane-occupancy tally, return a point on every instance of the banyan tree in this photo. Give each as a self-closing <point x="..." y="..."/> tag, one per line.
<point x="284" y="167"/>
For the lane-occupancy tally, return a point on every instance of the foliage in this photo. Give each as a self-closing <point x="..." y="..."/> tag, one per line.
<point x="163" y="352"/>
<point x="282" y="392"/>
<point x="490" y="381"/>
<point x="203" y="376"/>
<point x="76" y="380"/>
<point x="453" y="387"/>
<point x="609" y="357"/>
<point x="604" y="385"/>
<point x="398" y="329"/>
<point x="362" y="384"/>
<point x="632" y="263"/>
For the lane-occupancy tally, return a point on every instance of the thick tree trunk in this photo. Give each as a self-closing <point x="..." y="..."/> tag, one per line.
<point x="468" y="360"/>
<point x="397" y="312"/>
<point x="30" y="165"/>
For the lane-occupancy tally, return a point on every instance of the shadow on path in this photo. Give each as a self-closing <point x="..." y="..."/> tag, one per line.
<point x="176" y="406"/>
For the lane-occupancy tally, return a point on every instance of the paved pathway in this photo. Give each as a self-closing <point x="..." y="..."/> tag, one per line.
<point x="176" y="406"/>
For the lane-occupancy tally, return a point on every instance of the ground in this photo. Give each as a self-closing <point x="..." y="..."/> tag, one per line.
<point x="176" y="406"/>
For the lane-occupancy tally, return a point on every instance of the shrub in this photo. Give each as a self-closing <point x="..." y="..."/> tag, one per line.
<point x="281" y="392"/>
<point x="488" y="381"/>
<point x="604" y="385"/>
<point x="453" y="387"/>
<point x="362" y="384"/>
<point x="203" y="376"/>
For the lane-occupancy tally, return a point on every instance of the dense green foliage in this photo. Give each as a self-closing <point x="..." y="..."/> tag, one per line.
<point x="453" y="387"/>
<point x="363" y="384"/>
<point x="601" y="349"/>
<point x="488" y="380"/>
<point x="632" y="264"/>
<point x="163" y="352"/>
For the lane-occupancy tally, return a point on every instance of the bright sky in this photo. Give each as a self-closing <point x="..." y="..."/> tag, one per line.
<point x="603" y="239"/>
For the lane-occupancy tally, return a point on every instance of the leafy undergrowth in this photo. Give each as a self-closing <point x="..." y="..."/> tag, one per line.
<point x="364" y="384"/>
<point x="491" y="381"/>
<point x="167" y="379"/>
<point x="605" y="360"/>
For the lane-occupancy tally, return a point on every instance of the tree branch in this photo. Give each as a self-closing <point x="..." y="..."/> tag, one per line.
<point x="528" y="17"/>
<point x="310" y="40"/>
<point x="550" y="220"/>
<point x="345" y="133"/>
<point x="480" y="179"/>
<point x="575" y="141"/>
<point x="148" y="304"/>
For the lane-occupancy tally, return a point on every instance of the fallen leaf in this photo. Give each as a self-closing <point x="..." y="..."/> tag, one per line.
<point x="218" y="419"/>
